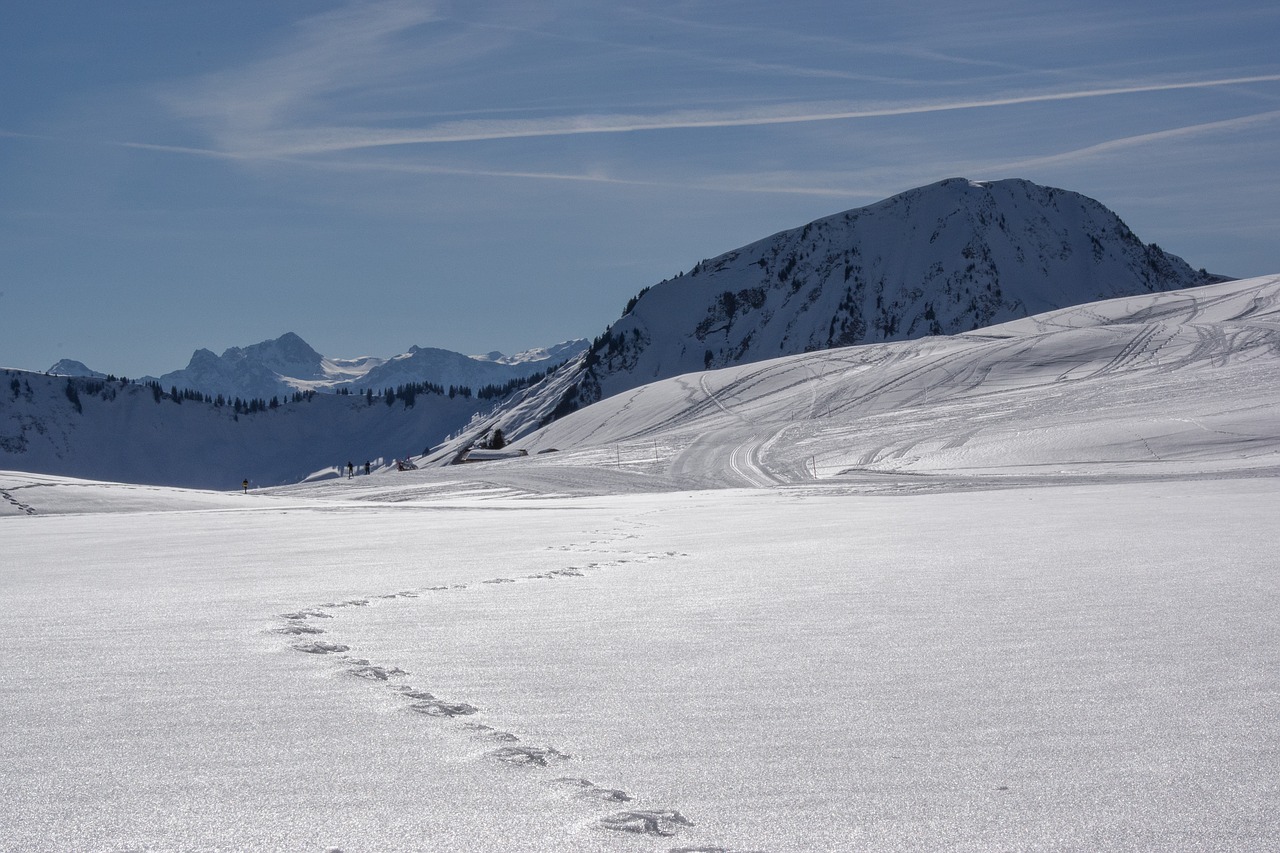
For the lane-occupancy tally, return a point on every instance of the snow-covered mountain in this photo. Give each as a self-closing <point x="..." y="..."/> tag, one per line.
<point x="540" y="356"/>
<point x="71" y="367"/>
<point x="135" y="433"/>
<point x="447" y="368"/>
<point x="941" y="259"/>
<point x="288" y="363"/>
<point x="1179" y="383"/>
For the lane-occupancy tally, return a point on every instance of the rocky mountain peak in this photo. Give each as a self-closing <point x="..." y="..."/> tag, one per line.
<point x="945" y="258"/>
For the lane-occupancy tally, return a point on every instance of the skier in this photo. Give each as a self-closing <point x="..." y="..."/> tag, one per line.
<point x="351" y="470"/>
<point x="246" y="485"/>
<point x="366" y="468"/>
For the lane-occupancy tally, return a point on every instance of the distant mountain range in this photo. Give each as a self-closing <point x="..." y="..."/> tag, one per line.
<point x="287" y="364"/>
<point x="129" y="432"/>
<point x="943" y="259"/>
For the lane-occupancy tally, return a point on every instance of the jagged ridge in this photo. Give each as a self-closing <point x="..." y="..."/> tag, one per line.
<point x="288" y="363"/>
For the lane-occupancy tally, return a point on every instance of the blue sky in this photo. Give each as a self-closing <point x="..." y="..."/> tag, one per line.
<point x="501" y="175"/>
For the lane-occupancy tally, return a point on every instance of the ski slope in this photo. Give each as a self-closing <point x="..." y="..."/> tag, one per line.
<point x="1009" y="590"/>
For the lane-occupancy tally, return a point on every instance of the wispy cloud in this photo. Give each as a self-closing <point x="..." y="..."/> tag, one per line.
<point x="1145" y="139"/>
<point x="333" y="139"/>
<point x="879" y="46"/>
<point x="303" y="99"/>
<point x="13" y="134"/>
<point x="780" y="183"/>
<point x="344" y="50"/>
<point x="704" y="58"/>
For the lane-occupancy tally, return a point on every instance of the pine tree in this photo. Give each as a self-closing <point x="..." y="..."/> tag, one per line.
<point x="74" y="396"/>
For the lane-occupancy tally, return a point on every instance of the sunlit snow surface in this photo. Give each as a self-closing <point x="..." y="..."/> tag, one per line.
<point x="1027" y="603"/>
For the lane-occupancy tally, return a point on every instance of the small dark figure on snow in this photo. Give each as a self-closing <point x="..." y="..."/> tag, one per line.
<point x="246" y="485"/>
<point x="351" y="470"/>
<point x="366" y="469"/>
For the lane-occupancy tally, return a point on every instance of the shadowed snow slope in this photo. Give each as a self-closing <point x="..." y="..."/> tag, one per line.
<point x="109" y="431"/>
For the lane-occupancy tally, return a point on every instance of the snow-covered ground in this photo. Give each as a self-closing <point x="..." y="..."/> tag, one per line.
<point x="1011" y="590"/>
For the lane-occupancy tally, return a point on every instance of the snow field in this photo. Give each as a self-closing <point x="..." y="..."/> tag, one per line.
<point x="1090" y="667"/>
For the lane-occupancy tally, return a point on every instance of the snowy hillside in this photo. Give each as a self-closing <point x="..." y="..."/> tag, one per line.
<point x="938" y="260"/>
<point x="1014" y="589"/>
<point x="134" y="433"/>
<point x="288" y="363"/>
<point x="1151" y="383"/>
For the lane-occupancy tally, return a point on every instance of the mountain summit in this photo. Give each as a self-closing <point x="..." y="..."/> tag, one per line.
<point x="942" y="259"/>
<point x="288" y="363"/>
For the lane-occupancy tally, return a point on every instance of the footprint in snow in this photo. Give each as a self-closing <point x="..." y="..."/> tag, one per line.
<point x="306" y="614"/>
<point x="319" y="647"/>
<point x="529" y="756"/>
<point x="296" y="628"/>
<point x="440" y="708"/>
<point x="585" y="789"/>
<point x="490" y="733"/>
<point x="662" y="824"/>
<point x="376" y="673"/>
<point x="500" y="580"/>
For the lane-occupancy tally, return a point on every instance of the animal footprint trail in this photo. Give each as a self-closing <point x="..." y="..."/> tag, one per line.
<point x="29" y="510"/>
<point x="529" y="758"/>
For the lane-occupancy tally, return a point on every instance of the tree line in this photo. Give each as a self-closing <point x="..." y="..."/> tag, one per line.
<point x="406" y="393"/>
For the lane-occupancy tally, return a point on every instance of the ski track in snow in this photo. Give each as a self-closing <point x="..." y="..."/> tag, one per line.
<point x="303" y="628"/>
